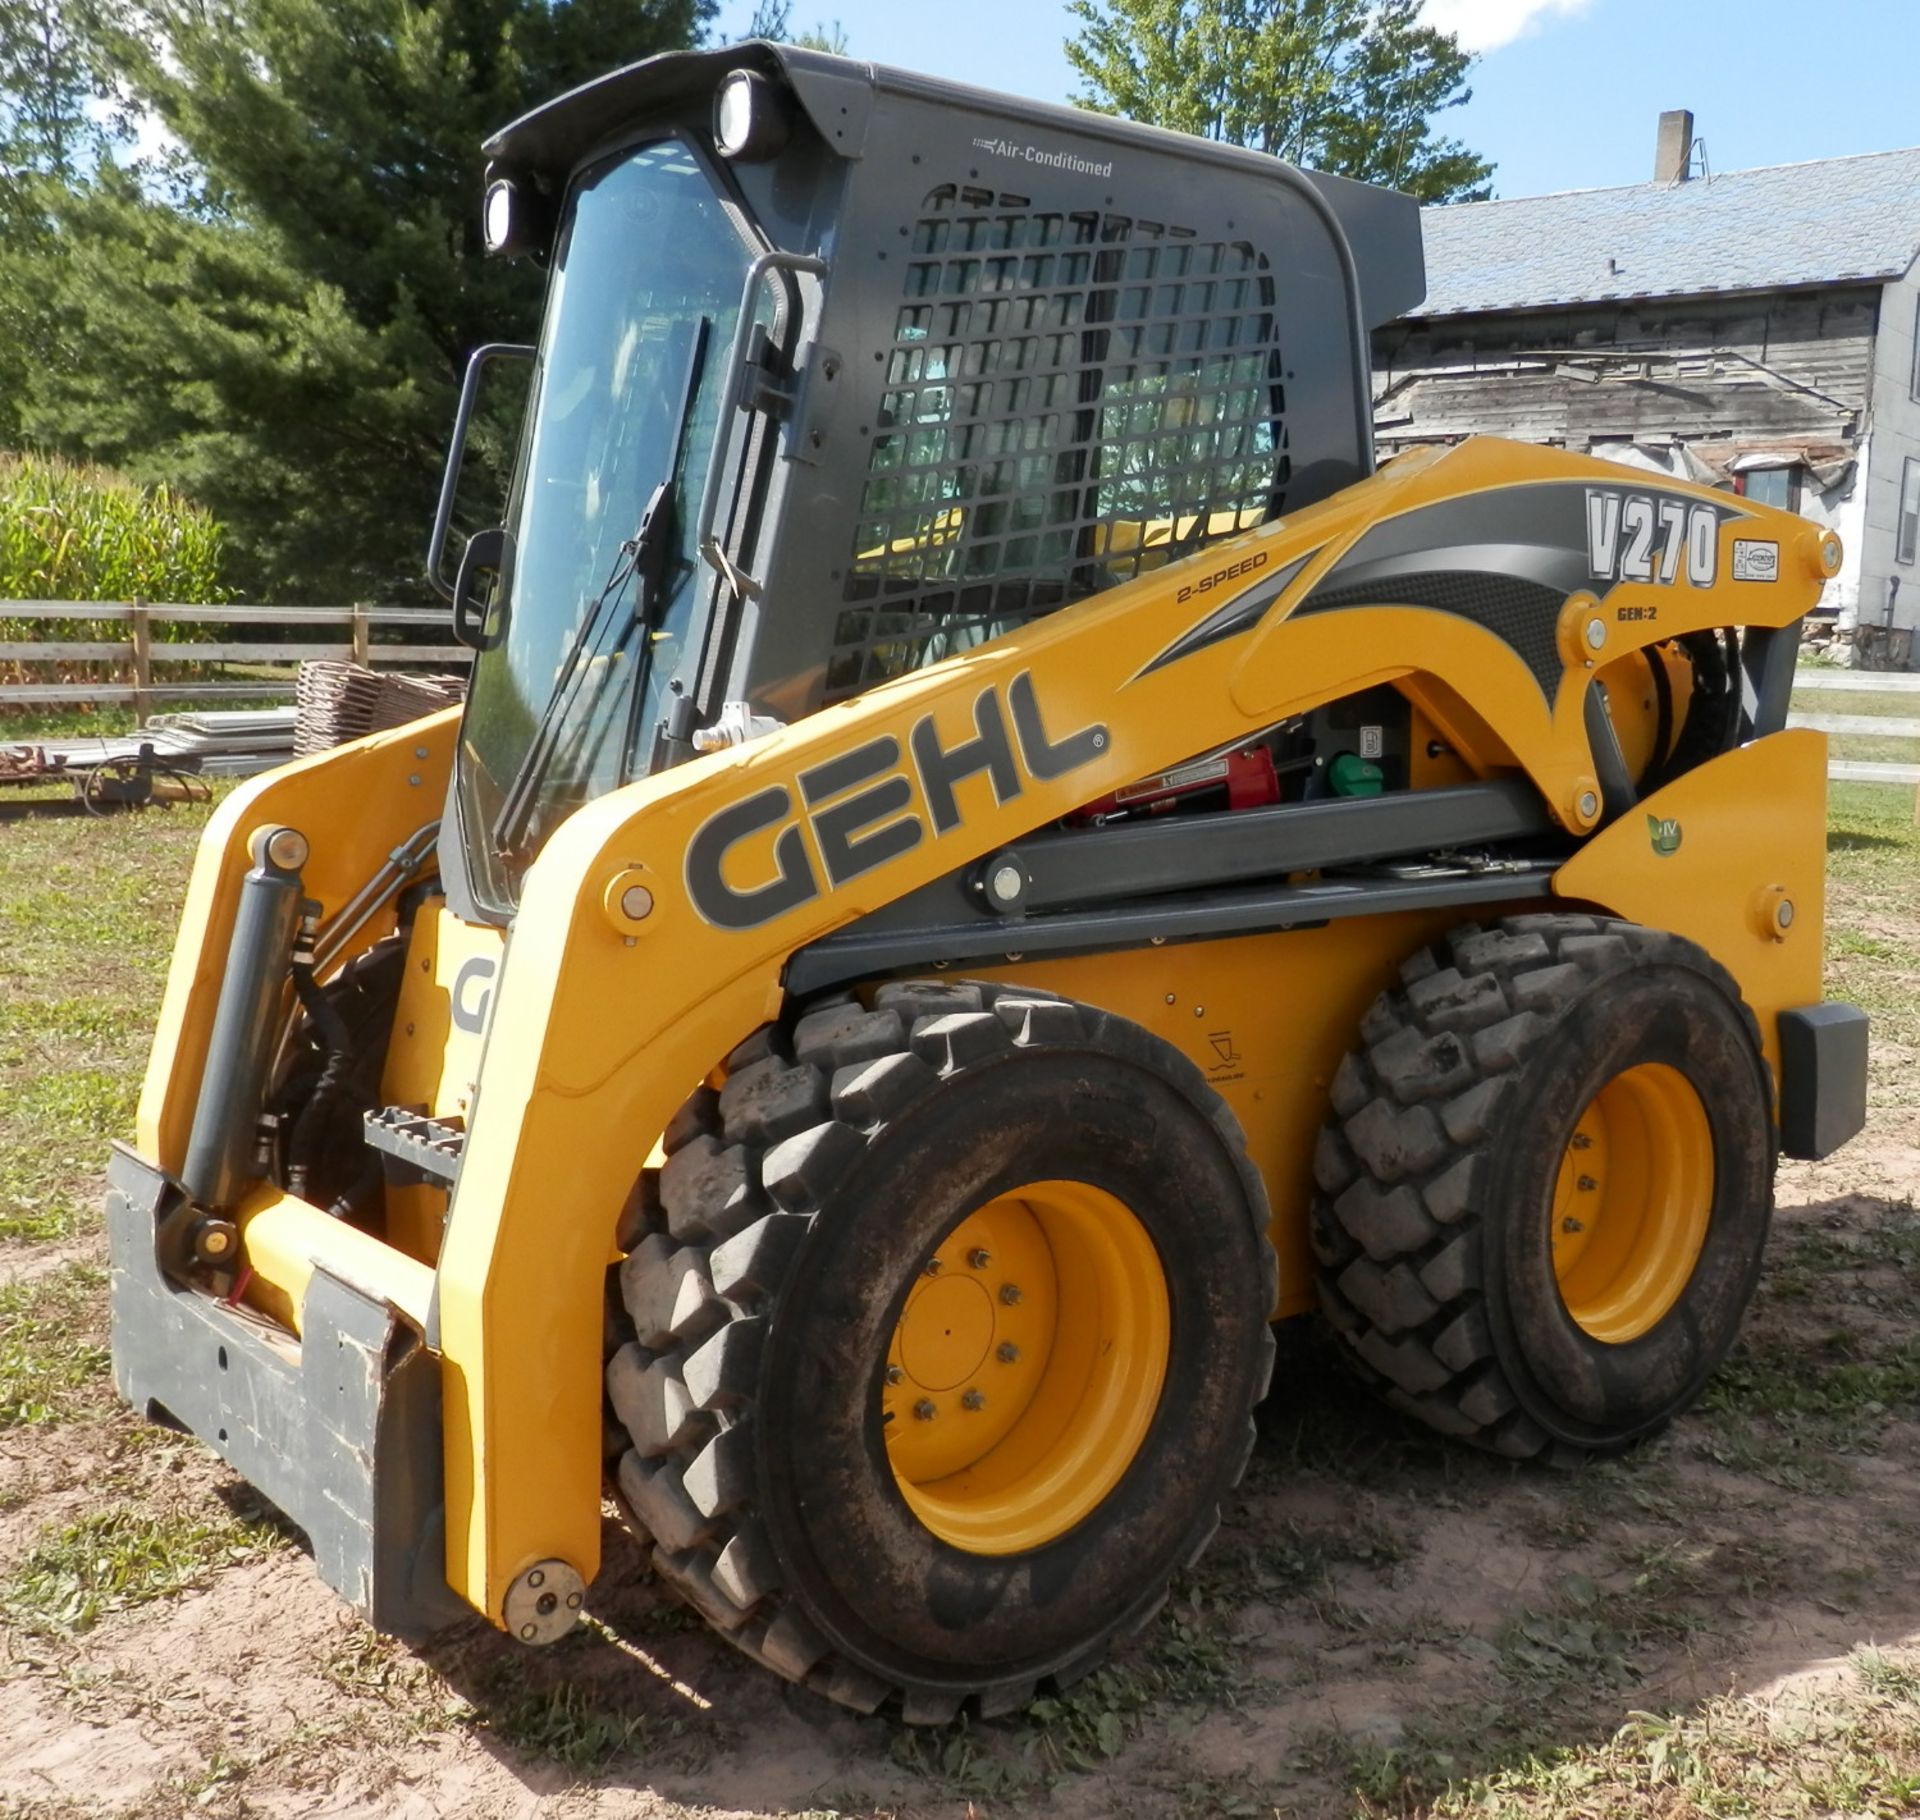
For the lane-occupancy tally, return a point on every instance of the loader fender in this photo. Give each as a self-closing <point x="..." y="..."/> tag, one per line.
<point x="355" y="804"/>
<point x="1713" y="856"/>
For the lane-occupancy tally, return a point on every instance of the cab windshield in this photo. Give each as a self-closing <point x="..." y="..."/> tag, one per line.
<point x="590" y="621"/>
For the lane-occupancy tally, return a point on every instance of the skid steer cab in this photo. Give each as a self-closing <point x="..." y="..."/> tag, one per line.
<point x="989" y="856"/>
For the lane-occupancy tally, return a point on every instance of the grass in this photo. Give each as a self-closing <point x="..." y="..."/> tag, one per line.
<point x="1890" y="702"/>
<point x="25" y="724"/>
<point x="1190" y="1662"/>
<point x="87" y="917"/>
<point x="53" y="1354"/>
<point x="1667" y="1556"/>
<point x="1290" y="1559"/>
<point x="1834" y="1397"/>
<point x="1888" y="1244"/>
<point x="587" y="1729"/>
<point x="1873" y="934"/>
<point x="1514" y="1749"/>
<point x="1853" y="1749"/>
<point x="1875" y="748"/>
<point x="122" y="1556"/>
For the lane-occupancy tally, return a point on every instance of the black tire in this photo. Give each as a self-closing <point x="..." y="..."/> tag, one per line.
<point x="796" y="1210"/>
<point x="1436" y="1173"/>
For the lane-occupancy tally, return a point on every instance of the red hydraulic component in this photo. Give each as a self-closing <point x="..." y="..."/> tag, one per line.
<point x="1246" y="774"/>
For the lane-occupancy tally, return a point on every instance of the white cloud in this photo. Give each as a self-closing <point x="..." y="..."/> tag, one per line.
<point x="1485" y="25"/>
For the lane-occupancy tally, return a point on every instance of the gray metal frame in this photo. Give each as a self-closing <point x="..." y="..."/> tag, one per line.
<point x="1823" y="1078"/>
<point x="1192" y="852"/>
<point x="340" y="1429"/>
<point x="870" y="948"/>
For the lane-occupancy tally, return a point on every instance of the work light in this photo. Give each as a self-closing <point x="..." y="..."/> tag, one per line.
<point x="499" y="217"/>
<point x="749" y="117"/>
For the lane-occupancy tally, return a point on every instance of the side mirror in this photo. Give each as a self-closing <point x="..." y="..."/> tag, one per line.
<point x="456" y="459"/>
<point x="488" y="552"/>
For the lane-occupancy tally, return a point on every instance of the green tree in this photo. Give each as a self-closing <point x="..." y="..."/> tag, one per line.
<point x="46" y="87"/>
<point x="284" y="338"/>
<point x="1348" y="86"/>
<point x="773" y="20"/>
<point x="52" y="127"/>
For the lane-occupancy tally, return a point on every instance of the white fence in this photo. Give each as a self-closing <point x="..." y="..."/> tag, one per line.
<point x="1864" y="682"/>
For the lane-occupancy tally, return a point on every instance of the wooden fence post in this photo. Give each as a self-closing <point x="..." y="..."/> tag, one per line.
<point x="142" y="634"/>
<point x="362" y="635"/>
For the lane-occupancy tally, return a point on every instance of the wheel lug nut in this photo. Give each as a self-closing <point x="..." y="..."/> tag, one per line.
<point x="1572" y="1225"/>
<point x="1010" y="1293"/>
<point x="1581" y="1141"/>
<point x="979" y="1258"/>
<point x="1588" y="1184"/>
<point x="1007" y="1352"/>
<point x="974" y="1399"/>
<point x="924" y="1411"/>
<point x="894" y="1374"/>
<point x="934" y="1267"/>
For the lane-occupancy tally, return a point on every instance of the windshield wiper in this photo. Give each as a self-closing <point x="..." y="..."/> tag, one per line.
<point x="516" y="807"/>
<point x="642" y="555"/>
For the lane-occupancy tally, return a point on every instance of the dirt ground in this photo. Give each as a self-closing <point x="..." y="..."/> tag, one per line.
<point x="1726" y="1621"/>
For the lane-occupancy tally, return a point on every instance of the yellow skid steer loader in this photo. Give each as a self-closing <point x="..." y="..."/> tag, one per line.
<point x="990" y="856"/>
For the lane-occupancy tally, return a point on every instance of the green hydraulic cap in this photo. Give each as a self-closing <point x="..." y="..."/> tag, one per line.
<point x="1352" y="775"/>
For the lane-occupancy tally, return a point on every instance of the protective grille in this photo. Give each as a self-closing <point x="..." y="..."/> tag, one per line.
<point x="1071" y="399"/>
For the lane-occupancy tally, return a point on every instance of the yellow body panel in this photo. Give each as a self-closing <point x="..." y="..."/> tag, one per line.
<point x="439" y="1025"/>
<point x="1752" y="832"/>
<point x="285" y="1238"/>
<point x="599" y="1027"/>
<point x="355" y="804"/>
<point x="1267" y="1019"/>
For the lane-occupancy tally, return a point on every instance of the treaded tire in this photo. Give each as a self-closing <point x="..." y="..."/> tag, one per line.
<point x="794" y="1212"/>
<point x="1435" y="1174"/>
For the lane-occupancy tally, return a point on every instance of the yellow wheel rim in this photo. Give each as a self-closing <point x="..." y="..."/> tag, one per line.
<point x="1026" y="1367"/>
<point x="1631" y="1202"/>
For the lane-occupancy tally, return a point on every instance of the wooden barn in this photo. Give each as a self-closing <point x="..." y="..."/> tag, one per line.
<point x="1754" y="329"/>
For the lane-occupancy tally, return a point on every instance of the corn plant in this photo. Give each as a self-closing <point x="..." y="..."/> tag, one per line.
<point x="69" y="532"/>
<point x="73" y="532"/>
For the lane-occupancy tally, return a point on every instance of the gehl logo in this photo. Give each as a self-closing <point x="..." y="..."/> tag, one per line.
<point x="858" y="805"/>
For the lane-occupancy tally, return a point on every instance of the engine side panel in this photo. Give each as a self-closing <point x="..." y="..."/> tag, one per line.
<point x="1266" y="1018"/>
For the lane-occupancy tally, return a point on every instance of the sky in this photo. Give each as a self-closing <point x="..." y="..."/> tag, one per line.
<point x="1567" y="93"/>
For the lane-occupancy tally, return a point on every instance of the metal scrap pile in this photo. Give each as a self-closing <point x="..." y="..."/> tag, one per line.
<point x="103" y="775"/>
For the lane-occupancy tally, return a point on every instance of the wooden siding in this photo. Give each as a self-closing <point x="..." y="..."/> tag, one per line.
<point x="1759" y="366"/>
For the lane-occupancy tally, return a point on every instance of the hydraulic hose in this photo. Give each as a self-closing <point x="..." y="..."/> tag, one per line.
<point x="309" y="1128"/>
